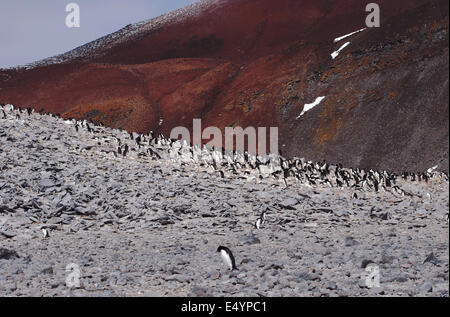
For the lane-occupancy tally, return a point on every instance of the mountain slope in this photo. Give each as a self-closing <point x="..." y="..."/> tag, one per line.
<point x="257" y="63"/>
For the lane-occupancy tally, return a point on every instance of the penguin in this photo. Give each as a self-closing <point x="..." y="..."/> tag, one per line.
<point x="263" y="217"/>
<point x="126" y="150"/>
<point x="138" y="141"/>
<point x="388" y="182"/>
<point x="227" y="257"/>
<point x="153" y="153"/>
<point x="398" y="190"/>
<point x="45" y="233"/>
<point x="375" y="183"/>
<point x="258" y="223"/>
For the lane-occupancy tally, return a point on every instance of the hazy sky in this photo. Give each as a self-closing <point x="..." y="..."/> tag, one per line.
<point x="31" y="30"/>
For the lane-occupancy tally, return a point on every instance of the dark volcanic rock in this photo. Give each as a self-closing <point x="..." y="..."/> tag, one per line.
<point x="6" y="254"/>
<point x="350" y="242"/>
<point x="431" y="258"/>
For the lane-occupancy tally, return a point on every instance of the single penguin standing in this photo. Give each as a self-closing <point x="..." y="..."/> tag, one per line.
<point x="45" y="232"/>
<point x="263" y="216"/>
<point x="258" y="223"/>
<point x="261" y="220"/>
<point x="227" y="257"/>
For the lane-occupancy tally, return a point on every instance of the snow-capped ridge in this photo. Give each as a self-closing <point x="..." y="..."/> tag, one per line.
<point x="99" y="47"/>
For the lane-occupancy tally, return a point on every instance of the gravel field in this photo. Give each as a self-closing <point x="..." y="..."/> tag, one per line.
<point x="140" y="226"/>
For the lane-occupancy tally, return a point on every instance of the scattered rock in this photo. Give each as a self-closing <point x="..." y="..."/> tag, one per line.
<point x="431" y="258"/>
<point x="200" y="291"/>
<point x="289" y="203"/>
<point x="365" y="263"/>
<point x="250" y="239"/>
<point x="424" y="288"/>
<point x="350" y="242"/>
<point x="6" y="254"/>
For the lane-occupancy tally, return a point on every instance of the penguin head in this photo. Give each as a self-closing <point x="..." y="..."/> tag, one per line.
<point x="220" y="248"/>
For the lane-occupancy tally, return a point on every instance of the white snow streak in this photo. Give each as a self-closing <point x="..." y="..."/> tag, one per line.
<point x="336" y="53"/>
<point x="347" y="35"/>
<point x="310" y="106"/>
<point x="432" y="169"/>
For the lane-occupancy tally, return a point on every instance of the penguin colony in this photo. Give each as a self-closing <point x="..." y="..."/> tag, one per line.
<point x="236" y="164"/>
<point x="287" y="171"/>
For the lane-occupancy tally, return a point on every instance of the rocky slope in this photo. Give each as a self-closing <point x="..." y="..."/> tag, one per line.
<point x="257" y="63"/>
<point x="140" y="225"/>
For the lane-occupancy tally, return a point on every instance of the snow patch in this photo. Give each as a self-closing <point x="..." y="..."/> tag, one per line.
<point x="336" y="53"/>
<point x="347" y="35"/>
<point x="310" y="106"/>
<point x="432" y="169"/>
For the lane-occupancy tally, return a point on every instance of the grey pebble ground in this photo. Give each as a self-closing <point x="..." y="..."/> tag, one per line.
<point x="136" y="226"/>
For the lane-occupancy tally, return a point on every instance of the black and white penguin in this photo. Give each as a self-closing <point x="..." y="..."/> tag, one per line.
<point x="46" y="233"/>
<point x="375" y="184"/>
<point x="258" y="223"/>
<point x="125" y="151"/>
<point x="227" y="257"/>
<point x="138" y="141"/>
<point x="263" y="216"/>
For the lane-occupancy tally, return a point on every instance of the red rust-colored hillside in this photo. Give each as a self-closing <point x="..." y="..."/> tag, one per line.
<point x="257" y="63"/>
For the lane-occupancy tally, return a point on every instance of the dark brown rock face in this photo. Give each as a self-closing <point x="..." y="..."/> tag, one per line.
<point x="257" y="63"/>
